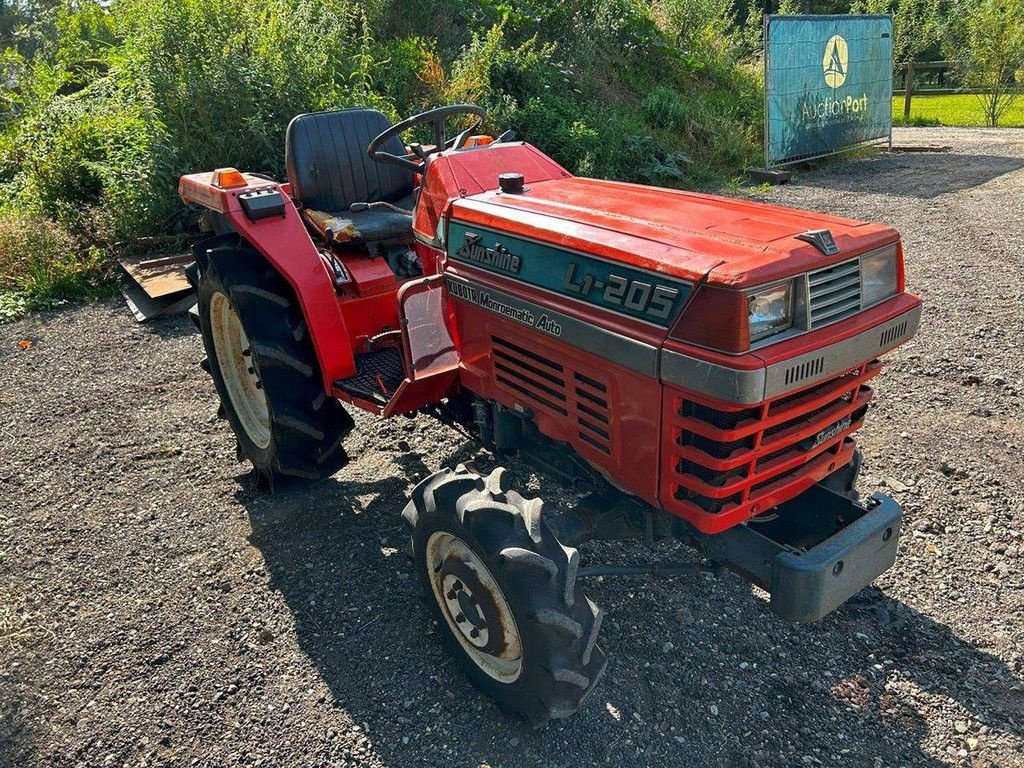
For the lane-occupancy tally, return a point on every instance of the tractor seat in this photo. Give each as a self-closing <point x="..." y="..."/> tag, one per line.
<point x="329" y="170"/>
<point x="365" y="226"/>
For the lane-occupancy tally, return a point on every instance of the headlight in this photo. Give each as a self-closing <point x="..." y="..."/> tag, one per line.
<point x="878" y="276"/>
<point x="770" y="310"/>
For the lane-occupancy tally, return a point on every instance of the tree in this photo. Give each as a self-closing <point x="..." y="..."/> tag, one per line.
<point x="917" y="24"/>
<point x="21" y="23"/>
<point x="992" y="56"/>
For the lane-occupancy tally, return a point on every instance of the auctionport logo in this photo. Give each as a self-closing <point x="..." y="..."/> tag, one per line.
<point x="828" y="108"/>
<point x="835" y="65"/>
<point x="836" y="61"/>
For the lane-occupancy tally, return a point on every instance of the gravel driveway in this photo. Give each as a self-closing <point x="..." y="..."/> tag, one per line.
<point x="156" y="610"/>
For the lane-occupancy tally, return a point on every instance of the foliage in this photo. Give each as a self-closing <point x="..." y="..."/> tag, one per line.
<point x="40" y="262"/>
<point x="13" y="305"/>
<point x="918" y="26"/>
<point x="992" y="54"/>
<point x="700" y="28"/>
<point x="105" y="104"/>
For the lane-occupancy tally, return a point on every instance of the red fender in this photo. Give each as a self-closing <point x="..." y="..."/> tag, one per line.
<point x="285" y="242"/>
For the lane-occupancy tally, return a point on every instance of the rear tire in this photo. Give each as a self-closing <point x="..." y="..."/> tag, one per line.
<point x="503" y="590"/>
<point x="265" y="369"/>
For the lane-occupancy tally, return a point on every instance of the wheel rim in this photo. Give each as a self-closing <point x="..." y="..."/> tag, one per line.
<point x="238" y="370"/>
<point x="477" y="613"/>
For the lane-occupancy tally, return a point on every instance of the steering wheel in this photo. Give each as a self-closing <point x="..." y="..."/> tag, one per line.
<point x="435" y="117"/>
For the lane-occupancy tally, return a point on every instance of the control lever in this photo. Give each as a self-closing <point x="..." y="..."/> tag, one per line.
<point x="418" y="150"/>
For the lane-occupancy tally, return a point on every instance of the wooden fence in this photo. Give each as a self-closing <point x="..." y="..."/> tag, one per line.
<point x="910" y="68"/>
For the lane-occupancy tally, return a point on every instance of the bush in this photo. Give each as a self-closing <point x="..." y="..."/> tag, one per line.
<point x="40" y="261"/>
<point x="665" y="108"/>
<point x="108" y="103"/>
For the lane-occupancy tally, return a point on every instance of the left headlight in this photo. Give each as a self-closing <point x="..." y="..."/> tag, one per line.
<point x="770" y="310"/>
<point x="878" y="276"/>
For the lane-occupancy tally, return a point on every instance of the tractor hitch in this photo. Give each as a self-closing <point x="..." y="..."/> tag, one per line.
<point x="817" y="551"/>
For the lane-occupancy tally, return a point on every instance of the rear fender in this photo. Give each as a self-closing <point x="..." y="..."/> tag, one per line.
<point x="284" y="242"/>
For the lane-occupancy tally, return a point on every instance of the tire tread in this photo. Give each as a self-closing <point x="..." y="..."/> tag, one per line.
<point x="557" y="623"/>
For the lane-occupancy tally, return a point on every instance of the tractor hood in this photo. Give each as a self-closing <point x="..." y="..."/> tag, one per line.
<point x="679" y="234"/>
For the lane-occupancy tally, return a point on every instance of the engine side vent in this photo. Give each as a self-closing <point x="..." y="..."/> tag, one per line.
<point x="797" y="373"/>
<point x="591" y="407"/>
<point x="533" y="378"/>
<point x="889" y="335"/>
<point x="834" y="293"/>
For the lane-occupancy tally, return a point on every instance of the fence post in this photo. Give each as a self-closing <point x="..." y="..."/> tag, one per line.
<point x="909" y="77"/>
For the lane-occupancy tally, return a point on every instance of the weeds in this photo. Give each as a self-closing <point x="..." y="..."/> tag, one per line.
<point x="107" y="104"/>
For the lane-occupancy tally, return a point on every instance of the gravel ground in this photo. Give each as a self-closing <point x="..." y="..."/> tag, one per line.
<point x="156" y="610"/>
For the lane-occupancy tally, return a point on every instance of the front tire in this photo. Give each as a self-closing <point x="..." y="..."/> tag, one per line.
<point x="265" y="369"/>
<point x="504" y="592"/>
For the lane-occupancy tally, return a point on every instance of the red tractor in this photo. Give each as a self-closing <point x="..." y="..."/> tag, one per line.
<point x="696" y="364"/>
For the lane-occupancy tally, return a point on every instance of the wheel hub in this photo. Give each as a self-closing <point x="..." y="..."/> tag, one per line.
<point x="474" y="607"/>
<point x="471" y="604"/>
<point x="239" y="371"/>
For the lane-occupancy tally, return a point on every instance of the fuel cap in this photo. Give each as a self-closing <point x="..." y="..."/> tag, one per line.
<point x="512" y="183"/>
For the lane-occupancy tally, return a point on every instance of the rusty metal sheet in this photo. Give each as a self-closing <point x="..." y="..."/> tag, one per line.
<point x="160" y="276"/>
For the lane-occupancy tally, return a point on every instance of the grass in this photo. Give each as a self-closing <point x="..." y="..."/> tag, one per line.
<point x="961" y="110"/>
<point x="42" y="264"/>
<point x="108" y="105"/>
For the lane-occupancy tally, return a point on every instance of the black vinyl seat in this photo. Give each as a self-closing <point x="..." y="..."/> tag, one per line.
<point x="325" y="155"/>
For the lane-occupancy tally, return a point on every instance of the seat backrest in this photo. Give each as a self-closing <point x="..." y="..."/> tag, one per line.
<point x="325" y="155"/>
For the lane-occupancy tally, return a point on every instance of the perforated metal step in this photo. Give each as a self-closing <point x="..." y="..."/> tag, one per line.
<point x="378" y="375"/>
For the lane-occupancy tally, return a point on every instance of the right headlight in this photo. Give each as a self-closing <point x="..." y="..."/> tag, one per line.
<point x="770" y="310"/>
<point x="878" y="274"/>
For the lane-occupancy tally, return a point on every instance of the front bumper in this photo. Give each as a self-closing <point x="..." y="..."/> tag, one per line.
<point x="787" y="365"/>
<point x="819" y="551"/>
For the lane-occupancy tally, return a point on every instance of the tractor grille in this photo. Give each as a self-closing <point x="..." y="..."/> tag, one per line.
<point x="834" y="293"/>
<point x="540" y="383"/>
<point x="728" y="465"/>
<point x="591" y="406"/>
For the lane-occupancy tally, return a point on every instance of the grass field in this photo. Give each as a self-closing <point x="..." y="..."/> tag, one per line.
<point x="959" y="110"/>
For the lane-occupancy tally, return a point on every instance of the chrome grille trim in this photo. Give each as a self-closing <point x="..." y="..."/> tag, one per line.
<point x="833" y="293"/>
<point x="746" y="387"/>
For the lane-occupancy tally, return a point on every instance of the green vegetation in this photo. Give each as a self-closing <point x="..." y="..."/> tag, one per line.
<point x="993" y="58"/>
<point x="962" y="110"/>
<point x="984" y="40"/>
<point x="107" y="104"/>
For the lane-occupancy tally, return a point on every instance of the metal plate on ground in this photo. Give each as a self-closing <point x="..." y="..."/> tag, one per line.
<point x="159" y="276"/>
<point x="157" y="286"/>
<point x="145" y="308"/>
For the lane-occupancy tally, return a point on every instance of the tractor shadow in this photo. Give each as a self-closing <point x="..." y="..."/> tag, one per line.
<point x="922" y="175"/>
<point x="849" y="682"/>
<point x="170" y="327"/>
<point x="20" y="738"/>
